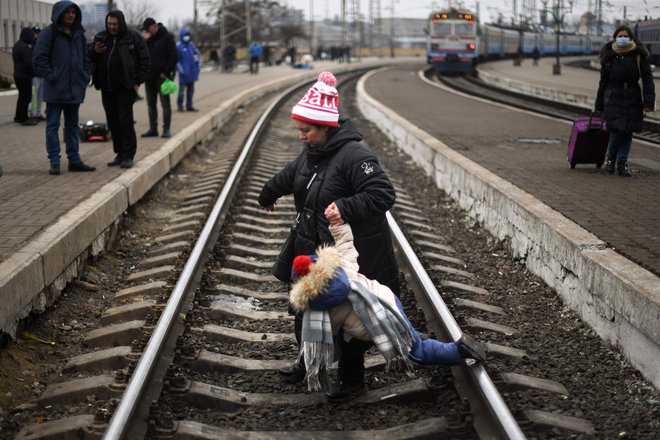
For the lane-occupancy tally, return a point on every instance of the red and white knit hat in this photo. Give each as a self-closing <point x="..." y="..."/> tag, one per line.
<point x="320" y="103"/>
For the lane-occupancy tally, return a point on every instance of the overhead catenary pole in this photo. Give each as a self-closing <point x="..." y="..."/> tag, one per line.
<point x="223" y="29"/>
<point x="311" y="27"/>
<point x="343" y="23"/>
<point x="248" y="23"/>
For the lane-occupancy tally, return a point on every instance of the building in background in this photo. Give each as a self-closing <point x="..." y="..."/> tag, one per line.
<point x="93" y="13"/>
<point x="14" y="16"/>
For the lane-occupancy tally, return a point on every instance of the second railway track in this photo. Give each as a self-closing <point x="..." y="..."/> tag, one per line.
<point x="235" y="332"/>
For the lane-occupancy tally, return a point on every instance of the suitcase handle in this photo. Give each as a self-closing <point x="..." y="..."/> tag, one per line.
<point x="602" y="122"/>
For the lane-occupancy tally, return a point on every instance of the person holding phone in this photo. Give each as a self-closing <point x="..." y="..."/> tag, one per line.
<point x="120" y="63"/>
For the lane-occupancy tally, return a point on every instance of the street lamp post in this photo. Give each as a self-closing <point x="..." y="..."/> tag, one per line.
<point x="558" y="18"/>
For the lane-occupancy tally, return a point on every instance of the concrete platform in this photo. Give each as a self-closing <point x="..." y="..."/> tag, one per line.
<point x="49" y="225"/>
<point x="575" y="85"/>
<point x="570" y="227"/>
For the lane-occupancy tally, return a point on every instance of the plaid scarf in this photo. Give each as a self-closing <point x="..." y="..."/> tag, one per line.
<point x="388" y="329"/>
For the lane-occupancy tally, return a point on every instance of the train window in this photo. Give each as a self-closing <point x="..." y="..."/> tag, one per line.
<point x="464" y="29"/>
<point x="441" y="28"/>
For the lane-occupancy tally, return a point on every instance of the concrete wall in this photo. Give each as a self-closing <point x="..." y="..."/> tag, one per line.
<point x="617" y="298"/>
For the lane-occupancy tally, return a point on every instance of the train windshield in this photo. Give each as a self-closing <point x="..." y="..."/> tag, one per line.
<point x="442" y="28"/>
<point x="464" y="29"/>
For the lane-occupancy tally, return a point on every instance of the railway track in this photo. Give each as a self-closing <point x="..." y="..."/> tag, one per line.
<point x="473" y="86"/>
<point x="191" y="348"/>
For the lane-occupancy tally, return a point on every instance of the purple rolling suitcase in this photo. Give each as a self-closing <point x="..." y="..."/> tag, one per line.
<point x="588" y="142"/>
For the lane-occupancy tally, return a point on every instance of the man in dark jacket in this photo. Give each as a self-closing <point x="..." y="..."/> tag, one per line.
<point x="23" y="73"/>
<point x="60" y="57"/>
<point x="120" y="63"/>
<point x="163" y="53"/>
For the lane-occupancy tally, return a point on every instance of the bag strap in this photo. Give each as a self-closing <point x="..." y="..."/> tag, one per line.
<point x="640" y="81"/>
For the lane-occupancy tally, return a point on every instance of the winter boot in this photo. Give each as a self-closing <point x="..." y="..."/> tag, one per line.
<point x="350" y="371"/>
<point x="622" y="166"/>
<point x="609" y="165"/>
<point x="295" y="373"/>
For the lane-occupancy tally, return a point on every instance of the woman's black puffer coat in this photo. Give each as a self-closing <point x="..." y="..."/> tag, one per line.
<point x="346" y="172"/>
<point x="619" y="94"/>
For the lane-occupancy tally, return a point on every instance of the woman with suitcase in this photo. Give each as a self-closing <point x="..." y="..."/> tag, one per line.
<point x="623" y="62"/>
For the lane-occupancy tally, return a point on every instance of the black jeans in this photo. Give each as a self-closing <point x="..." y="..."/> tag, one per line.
<point x="24" y="86"/>
<point x="118" y="106"/>
<point x="152" y="89"/>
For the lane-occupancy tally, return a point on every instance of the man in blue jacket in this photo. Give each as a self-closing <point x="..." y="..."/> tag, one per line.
<point x="188" y="66"/>
<point x="255" y="57"/>
<point x="60" y="57"/>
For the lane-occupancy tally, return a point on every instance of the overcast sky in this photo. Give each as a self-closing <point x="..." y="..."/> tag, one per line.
<point x="182" y="10"/>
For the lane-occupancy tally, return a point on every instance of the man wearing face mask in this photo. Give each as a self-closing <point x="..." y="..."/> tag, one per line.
<point x="623" y="62"/>
<point x="188" y="66"/>
<point x="120" y="63"/>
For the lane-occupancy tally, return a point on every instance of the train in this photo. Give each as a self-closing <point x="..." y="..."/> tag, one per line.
<point x="456" y="42"/>
<point x="648" y="33"/>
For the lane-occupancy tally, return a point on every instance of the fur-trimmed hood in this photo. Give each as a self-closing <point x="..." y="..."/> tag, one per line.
<point x="325" y="286"/>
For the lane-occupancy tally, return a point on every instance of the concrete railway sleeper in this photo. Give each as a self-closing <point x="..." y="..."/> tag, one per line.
<point x="197" y="358"/>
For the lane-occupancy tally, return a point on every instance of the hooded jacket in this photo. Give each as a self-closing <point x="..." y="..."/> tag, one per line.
<point x="62" y="58"/>
<point x="346" y="172"/>
<point x="619" y="95"/>
<point x="327" y="285"/>
<point x="125" y="63"/>
<point x="190" y="59"/>
<point x="163" y="53"/>
<point x="22" y="54"/>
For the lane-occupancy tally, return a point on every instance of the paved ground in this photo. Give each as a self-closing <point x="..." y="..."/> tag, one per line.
<point x="624" y="212"/>
<point x="31" y="199"/>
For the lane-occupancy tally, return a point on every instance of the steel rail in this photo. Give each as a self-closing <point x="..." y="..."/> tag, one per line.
<point x="123" y="419"/>
<point x="419" y="280"/>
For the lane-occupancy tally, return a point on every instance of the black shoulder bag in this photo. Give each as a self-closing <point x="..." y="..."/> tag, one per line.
<point x="301" y="239"/>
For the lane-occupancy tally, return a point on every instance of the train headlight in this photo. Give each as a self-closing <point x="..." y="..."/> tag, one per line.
<point x="471" y="46"/>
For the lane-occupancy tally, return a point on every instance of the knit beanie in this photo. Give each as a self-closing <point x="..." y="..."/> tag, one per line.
<point x="320" y="104"/>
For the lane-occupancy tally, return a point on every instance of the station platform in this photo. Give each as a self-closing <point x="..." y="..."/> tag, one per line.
<point x="48" y="223"/>
<point x="575" y="85"/>
<point x="590" y="236"/>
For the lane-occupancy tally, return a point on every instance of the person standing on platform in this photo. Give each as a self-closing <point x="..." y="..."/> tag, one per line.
<point x="255" y="57"/>
<point x="623" y="61"/>
<point x="228" y="58"/>
<point x="163" y="53"/>
<point x="61" y="57"/>
<point x="536" y="55"/>
<point x="23" y="74"/>
<point x="37" y="89"/>
<point x="215" y="59"/>
<point x="335" y="178"/>
<point x="120" y="63"/>
<point x="188" y="66"/>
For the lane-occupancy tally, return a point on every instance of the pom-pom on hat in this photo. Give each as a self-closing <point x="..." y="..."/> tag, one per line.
<point x="320" y="103"/>
<point x="301" y="265"/>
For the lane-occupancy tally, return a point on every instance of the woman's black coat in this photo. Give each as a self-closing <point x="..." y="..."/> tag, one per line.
<point x="346" y="172"/>
<point x="619" y="94"/>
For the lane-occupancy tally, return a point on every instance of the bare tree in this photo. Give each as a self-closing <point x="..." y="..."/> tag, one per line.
<point x="136" y="11"/>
